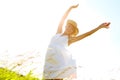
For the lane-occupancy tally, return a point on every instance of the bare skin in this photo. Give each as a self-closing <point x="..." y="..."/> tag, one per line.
<point x="64" y="17"/>
<point x="69" y="29"/>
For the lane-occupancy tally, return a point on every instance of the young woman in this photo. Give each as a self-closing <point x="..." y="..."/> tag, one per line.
<point x="58" y="61"/>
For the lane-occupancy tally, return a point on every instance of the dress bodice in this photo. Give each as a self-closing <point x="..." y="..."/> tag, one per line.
<point x="59" y="40"/>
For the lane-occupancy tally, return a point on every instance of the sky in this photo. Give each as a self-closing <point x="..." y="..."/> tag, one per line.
<point x="21" y="20"/>
<point x="109" y="9"/>
<point x="30" y="24"/>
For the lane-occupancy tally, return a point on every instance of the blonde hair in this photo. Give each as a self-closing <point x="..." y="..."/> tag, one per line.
<point x="74" y="24"/>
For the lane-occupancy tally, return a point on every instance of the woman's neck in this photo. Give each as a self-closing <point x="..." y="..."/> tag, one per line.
<point x="65" y="34"/>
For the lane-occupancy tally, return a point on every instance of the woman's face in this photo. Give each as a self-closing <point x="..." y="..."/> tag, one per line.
<point x="69" y="29"/>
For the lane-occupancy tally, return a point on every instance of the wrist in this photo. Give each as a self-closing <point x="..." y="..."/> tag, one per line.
<point x="99" y="27"/>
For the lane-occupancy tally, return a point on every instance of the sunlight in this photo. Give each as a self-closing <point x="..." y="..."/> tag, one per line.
<point x="30" y="26"/>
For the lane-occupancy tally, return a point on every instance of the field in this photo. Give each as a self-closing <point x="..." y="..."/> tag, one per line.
<point x="6" y="74"/>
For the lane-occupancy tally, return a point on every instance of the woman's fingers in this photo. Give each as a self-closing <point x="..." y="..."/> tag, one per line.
<point x="75" y="6"/>
<point x="107" y="24"/>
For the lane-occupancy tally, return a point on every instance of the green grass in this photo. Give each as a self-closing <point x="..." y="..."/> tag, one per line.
<point x="6" y="74"/>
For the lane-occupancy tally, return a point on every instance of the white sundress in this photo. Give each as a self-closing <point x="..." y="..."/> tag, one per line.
<point x="58" y="61"/>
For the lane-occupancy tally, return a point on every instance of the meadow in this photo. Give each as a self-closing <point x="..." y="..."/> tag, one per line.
<point x="6" y="74"/>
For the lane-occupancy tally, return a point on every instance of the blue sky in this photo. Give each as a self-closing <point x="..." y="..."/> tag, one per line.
<point x="110" y="9"/>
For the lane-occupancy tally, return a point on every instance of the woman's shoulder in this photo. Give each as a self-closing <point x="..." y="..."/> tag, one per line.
<point x="60" y="35"/>
<point x="57" y="35"/>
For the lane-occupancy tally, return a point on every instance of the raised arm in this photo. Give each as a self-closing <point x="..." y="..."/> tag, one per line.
<point x="59" y="30"/>
<point x="74" y="39"/>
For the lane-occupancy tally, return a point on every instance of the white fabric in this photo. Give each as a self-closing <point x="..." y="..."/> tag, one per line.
<point x="58" y="60"/>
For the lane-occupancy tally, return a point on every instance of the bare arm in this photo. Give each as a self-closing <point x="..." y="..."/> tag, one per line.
<point x="74" y="39"/>
<point x="59" y="30"/>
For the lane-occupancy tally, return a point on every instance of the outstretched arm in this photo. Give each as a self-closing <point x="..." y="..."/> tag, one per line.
<point x="59" y="30"/>
<point x="74" y="39"/>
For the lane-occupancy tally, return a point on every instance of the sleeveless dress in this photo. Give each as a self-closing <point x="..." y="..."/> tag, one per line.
<point x="58" y="61"/>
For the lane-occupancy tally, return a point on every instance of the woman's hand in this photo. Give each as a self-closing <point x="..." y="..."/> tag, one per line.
<point x="105" y="25"/>
<point x="75" y="6"/>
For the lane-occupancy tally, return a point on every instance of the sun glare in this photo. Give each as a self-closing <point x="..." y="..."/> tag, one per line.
<point x="30" y="25"/>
